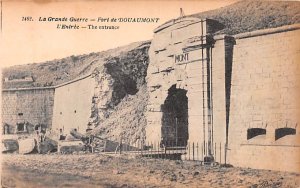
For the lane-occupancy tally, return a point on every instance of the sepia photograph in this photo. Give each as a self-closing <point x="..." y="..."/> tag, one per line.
<point x="150" y="94"/>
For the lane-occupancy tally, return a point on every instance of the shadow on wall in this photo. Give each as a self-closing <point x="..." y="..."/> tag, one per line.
<point x="123" y="83"/>
<point x="229" y="46"/>
<point x="128" y="71"/>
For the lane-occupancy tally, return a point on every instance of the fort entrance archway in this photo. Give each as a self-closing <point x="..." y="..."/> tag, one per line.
<point x="174" y="128"/>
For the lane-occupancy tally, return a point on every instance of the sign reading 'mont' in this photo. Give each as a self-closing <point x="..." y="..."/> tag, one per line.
<point x="181" y="58"/>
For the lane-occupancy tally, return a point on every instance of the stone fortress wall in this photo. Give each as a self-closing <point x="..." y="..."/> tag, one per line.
<point x="66" y="106"/>
<point x="265" y="91"/>
<point x="238" y="91"/>
<point x="26" y="107"/>
<point x="72" y="105"/>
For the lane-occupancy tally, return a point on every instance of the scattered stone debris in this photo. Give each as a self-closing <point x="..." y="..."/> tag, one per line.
<point x="92" y="170"/>
<point x="9" y="145"/>
<point x="47" y="146"/>
<point x="27" y="145"/>
<point x="117" y="172"/>
<point x="196" y="173"/>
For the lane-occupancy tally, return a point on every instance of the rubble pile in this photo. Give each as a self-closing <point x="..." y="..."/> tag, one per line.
<point x="127" y="121"/>
<point x="121" y="96"/>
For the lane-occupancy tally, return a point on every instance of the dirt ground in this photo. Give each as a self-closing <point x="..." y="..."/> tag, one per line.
<point x="99" y="170"/>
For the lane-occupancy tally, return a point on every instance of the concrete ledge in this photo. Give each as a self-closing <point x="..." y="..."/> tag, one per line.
<point x="267" y="31"/>
<point x="177" y="20"/>
<point x="72" y="81"/>
<point x="257" y="33"/>
<point x="30" y="88"/>
<point x="271" y="145"/>
<point x="228" y="38"/>
<point x="49" y="87"/>
<point x="220" y="37"/>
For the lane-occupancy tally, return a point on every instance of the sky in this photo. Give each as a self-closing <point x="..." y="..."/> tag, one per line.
<point x="23" y="42"/>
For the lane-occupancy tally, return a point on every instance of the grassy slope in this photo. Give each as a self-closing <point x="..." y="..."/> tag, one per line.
<point x="58" y="71"/>
<point x="247" y="16"/>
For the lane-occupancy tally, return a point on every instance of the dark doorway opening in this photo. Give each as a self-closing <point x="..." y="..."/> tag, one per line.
<point x="21" y="127"/>
<point x="253" y="132"/>
<point x="281" y="132"/>
<point x="6" y="129"/>
<point x="175" y="118"/>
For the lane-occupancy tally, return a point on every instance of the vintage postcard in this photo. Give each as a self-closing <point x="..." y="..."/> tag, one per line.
<point x="150" y="93"/>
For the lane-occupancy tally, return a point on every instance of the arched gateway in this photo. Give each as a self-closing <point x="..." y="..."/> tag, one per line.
<point x="179" y="78"/>
<point x="175" y="118"/>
